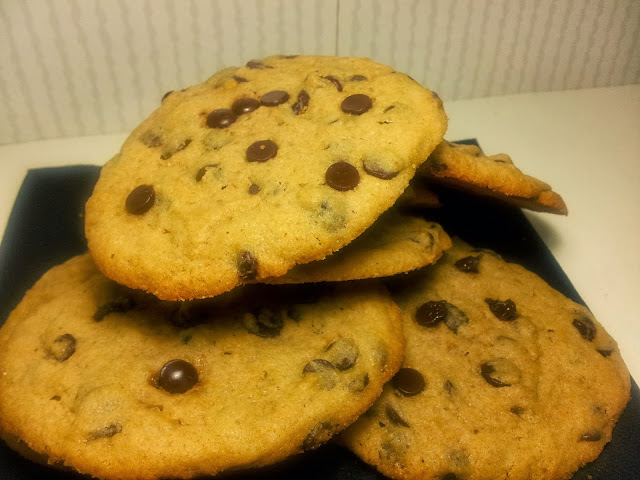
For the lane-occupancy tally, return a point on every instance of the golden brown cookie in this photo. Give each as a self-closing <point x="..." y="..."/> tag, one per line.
<point x="116" y="384"/>
<point x="503" y="378"/>
<point x="260" y="168"/>
<point x="465" y="167"/>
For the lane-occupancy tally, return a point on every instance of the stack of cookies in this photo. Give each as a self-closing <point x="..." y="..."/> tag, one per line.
<point x="254" y="287"/>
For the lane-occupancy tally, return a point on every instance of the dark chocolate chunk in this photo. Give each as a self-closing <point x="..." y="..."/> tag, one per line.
<point x="335" y="81"/>
<point x="585" y="327"/>
<point x="319" y="434"/>
<point x="247" y="266"/>
<point x="504" y="310"/>
<point x="257" y="65"/>
<point x="140" y="200"/>
<point x="265" y="323"/>
<point x="318" y="365"/>
<point x="301" y="104"/>
<point x="468" y="264"/>
<point x="395" y="418"/>
<point x="342" y="176"/>
<point x="591" y="437"/>
<point x="63" y="347"/>
<point x="56" y="398"/>
<point x="220" y="118"/>
<point x="373" y="168"/>
<point x="408" y="382"/>
<point x="203" y="170"/>
<point x="324" y="371"/>
<point x="254" y="189"/>
<point x="430" y="314"/>
<point x="177" y="376"/>
<point x="357" y="78"/>
<point x="151" y="139"/>
<point x="166" y="95"/>
<point x="183" y="145"/>
<point x="239" y="79"/>
<point x="343" y="353"/>
<point x="274" y="98"/>
<point x="390" y="107"/>
<point x="261" y="151"/>
<point x="245" y="105"/>
<point x="517" y="410"/>
<point x="120" y="305"/>
<point x="605" y="353"/>
<point x="356" y="104"/>
<point x="106" y="432"/>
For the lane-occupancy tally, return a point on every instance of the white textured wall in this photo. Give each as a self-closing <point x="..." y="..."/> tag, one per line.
<point x="82" y="67"/>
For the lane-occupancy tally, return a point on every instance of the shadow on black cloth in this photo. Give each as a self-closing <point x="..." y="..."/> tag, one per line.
<point x="46" y="228"/>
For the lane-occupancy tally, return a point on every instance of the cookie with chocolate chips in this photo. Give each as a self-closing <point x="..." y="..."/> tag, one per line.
<point x="394" y="244"/>
<point x="503" y="378"/>
<point x="146" y="389"/>
<point x="466" y="168"/>
<point x="260" y="168"/>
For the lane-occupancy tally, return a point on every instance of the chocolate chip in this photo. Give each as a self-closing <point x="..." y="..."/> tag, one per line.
<point x="177" y="376"/>
<point x="166" y="95"/>
<point x="183" y="145"/>
<point x="448" y="387"/>
<point x="141" y="199"/>
<point x="106" y="432"/>
<point x="335" y="81"/>
<point x="500" y="372"/>
<point x="254" y="189"/>
<point x="390" y="107"/>
<point x="517" y="410"/>
<point x="265" y="323"/>
<point x="261" y="151"/>
<point x="204" y="169"/>
<point x="220" y="118"/>
<point x="247" y="266"/>
<point x="274" y="98"/>
<point x="395" y="418"/>
<point x="448" y="476"/>
<point x="120" y="305"/>
<point x="56" y="398"/>
<point x="257" y="65"/>
<point x="585" y="327"/>
<point x="357" y="78"/>
<point x="359" y="383"/>
<point x="342" y="176"/>
<point x="63" y="347"/>
<point x="239" y="79"/>
<point x="151" y="139"/>
<point x="468" y="264"/>
<point x="430" y="314"/>
<point x="325" y="372"/>
<point x="245" y="105"/>
<point x="591" y="437"/>
<point x="301" y="104"/>
<point x="318" y="365"/>
<point x="319" y="434"/>
<point x="373" y="167"/>
<point x="408" y="382"/>
<point x="356" y="104"/>
<point x="605" y="353"/>
<point x="343" y="353"/>
<point x="503" y="310"/>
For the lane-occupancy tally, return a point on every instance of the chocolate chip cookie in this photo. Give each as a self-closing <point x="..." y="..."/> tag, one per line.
<point x="277" y="163"/>
<point x="394" y="244"/>
<point x="465" y="167"/>
<point x="117" y="384"/>
<point x="503" y="378"/>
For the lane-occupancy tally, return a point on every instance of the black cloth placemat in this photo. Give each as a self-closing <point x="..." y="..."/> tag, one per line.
<point x="46" y="228"/>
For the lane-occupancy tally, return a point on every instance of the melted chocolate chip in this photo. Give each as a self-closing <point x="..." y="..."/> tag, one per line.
<point x="203" y="170"/>
<point x="254" y="189"/>
<point x="455" y="318"/>
<point x="239" y="79"/>
<point x="106" y="432"/>
<point x="245" y="105"/>
<point x="503" y="310"/>
<point x="605" y="353"/>
<point x="274" y="98"/>
<point x="448" y="476"/>
<point x="318" y="365"/>
<point x="63" y="347"/>
<point x="335" y="81"/>
<point x="430" y="314"/>
<point x="374" y="169"/>
<point x="151" y="140"/>
<point x="120" y="305"/>
<point x="265" y="323"/>
<point x="358" y="384"/>
<point x="500" y="372"/>
<point x="261" y="151"/>
<point x="177" y="376"/>
<point x="140" y="200"/>
<point x="395" y="418"/>
<point x="343" y="353"/>
<point x="390" y="107"/>
<point x="517" y="410"/>
<point x="319" y="434"/>
<point x="325" y="373"/>
<point x="247" y="266"/>
<point x="301" y="104"/>
<point x="448" y="387"/>
<point x="408" y="382"/>
<point x="166" y="95"/>
<point x="356" y="104"/>
<point x="468" y="264"/>
<point x="357" y="78"/>
<point x="591" y="437"/>
<point x="585" y="327"/>
<point x="342" y="176"/>
<point x="220" y="118"/>
<point x="257" y="65"/>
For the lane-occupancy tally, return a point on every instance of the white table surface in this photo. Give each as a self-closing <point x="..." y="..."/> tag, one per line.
<point x="585" y="143"/>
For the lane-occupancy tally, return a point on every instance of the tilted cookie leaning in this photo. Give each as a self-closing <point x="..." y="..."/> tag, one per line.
<point x="116" y="384"/>
<point x="260" y="168"/>
<point x="503" y="378"/>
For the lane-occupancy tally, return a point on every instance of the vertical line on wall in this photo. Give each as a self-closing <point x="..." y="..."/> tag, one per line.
<point x="153" y="42"/>
<point x="375" y="12"/>
<point x="337" y="37"/>
<point x="462" y="68"/>
<point x="262" y="36"/>
<point x="481" y="42"/>
<point x="429" y="42"/>
<point x="556" y="51"/>
<point x="412" y="34"/>
<point x="506" y="80"/>
<point x="543" y="45"/>
<point x="444" y="64"/>
<point x="217" y="29"/>
<point x="598" y="70"/>
<point x="574" y="45"/>
<point x="499" y="40"/>
<point x="393" y="42"/>
<point x="195" y="30"/>
<point x="525" y="56"/>
<point x="173" y="39"/>
<point x="627" y="18"/>
<point x="131" y="58"/>
<point x="590" y="43"/>
<point x="630" y="57"/>
<point x="4" y="90"/>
